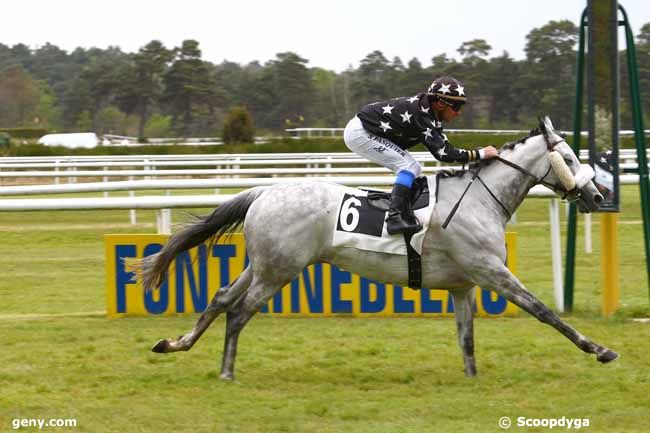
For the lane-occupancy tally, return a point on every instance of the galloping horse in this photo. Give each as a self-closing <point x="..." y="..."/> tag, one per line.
<point x="290" y="226"/>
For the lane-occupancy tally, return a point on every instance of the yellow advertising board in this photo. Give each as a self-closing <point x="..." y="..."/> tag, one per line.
<point x="320" y="290"/>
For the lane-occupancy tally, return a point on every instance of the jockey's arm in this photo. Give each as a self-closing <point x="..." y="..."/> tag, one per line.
<point x="443" y="150"/>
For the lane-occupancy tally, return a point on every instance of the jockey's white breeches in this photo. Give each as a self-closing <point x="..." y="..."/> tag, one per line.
<point x="378" y="150"/>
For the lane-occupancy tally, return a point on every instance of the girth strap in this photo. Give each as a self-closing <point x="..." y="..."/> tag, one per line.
<point x="414" y="263"/>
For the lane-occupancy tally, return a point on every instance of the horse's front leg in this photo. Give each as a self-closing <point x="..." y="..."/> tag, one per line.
<point x="465" y="325"/>
<point x="499" y="279"/>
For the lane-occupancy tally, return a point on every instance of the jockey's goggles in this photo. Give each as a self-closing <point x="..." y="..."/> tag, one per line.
<point x="455" y="105"/>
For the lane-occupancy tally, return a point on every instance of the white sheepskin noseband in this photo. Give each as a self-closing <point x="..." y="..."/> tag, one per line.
<point x="563" y="172"/>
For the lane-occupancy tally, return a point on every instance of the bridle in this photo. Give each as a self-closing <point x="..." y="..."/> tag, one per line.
<point x="558" y="188"/>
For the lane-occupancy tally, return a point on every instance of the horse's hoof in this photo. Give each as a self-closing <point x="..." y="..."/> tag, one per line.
<point x="160" y="347"/>
<point x="227" y="377"/>
<point x="607" y="356"/>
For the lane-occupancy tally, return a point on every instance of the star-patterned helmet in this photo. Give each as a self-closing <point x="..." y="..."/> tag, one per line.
<point x="449" y="90"/>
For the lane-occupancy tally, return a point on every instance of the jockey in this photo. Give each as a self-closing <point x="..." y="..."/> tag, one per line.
<point x="382" y="131"/>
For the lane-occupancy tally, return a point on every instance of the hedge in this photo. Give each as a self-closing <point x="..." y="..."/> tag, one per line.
<point x="25" y="132"/>
<point x="280" y="145"/>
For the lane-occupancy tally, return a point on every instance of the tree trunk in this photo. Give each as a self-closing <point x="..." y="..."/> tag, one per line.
<point x="143" y="120"/>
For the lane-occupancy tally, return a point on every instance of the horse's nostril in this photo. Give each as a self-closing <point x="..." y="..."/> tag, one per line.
<point x="598" y="198"/>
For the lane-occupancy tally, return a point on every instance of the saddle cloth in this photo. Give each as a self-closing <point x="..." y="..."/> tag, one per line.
<point x="361" y="220"/>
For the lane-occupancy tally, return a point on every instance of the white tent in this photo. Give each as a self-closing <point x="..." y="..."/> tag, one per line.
<point x="82" y="139"/>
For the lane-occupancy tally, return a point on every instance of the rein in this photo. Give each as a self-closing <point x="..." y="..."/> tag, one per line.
<point x="517" y="167"/>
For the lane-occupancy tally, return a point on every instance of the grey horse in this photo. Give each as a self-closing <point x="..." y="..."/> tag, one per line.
<point x="289" y="226"/>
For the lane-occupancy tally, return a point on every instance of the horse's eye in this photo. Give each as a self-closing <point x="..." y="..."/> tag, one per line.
<point x="568" y="161"/>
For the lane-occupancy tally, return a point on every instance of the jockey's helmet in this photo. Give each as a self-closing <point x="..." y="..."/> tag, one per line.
<point x="448" y="90"/>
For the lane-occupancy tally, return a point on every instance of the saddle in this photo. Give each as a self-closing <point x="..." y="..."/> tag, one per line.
<point x="380" y="200"/>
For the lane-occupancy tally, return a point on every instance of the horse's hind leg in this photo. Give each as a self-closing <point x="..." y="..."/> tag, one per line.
<point x="222" y="300"/>
<point x="235" y="322"/>
<point x="465" y="325"/>
<point x="238" y="316"/>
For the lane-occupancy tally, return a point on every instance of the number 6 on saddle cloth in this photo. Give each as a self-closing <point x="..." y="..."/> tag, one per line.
<point x="361" y="224"/>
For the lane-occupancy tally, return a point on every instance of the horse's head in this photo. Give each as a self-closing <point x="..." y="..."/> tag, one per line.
<point x="567" y="176"/>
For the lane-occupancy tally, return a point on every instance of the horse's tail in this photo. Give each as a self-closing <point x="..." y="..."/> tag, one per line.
<point x="225" y="218"/>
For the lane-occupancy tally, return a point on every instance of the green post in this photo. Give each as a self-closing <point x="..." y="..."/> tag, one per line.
<point x="569" y="271"/>
<point x="639" y="137"/>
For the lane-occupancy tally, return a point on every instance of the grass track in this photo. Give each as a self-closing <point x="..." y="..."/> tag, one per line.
<point x="304" y="375"/>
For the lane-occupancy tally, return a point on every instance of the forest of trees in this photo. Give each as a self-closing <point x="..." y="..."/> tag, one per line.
<point x="164" y="91"/>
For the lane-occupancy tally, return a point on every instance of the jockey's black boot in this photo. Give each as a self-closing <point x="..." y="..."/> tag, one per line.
<point x="400" y="215"/>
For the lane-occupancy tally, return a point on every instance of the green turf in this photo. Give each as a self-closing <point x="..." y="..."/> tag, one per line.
<point x="304" y="375"/>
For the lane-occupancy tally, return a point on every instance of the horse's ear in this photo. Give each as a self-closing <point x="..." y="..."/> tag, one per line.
<point x="549" y="125"/>
<point x="542" y="125"/>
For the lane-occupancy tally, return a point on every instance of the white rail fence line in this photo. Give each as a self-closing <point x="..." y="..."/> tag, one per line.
<point x="169" y="184"/>
<point x="13" y="168"/>
<point x="204" y="172"/>
<point x="349" y="159"/>
<point x="220" y="156"/>
<point x="233" y="172"/>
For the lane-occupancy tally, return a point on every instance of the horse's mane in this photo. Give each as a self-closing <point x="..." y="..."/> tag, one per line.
<point x="533" y="132"/>
<point x="508" y="146"/>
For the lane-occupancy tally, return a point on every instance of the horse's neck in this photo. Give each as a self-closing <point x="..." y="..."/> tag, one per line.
<point x="510" y="185"/>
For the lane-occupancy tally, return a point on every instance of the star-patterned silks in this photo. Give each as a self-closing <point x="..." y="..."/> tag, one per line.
<point x="409" y="120"/>
<point x="460" y="90"/>
<point x="445" y="88"/>
<point x="406" y="117"/>
<point x="605" y="161"/>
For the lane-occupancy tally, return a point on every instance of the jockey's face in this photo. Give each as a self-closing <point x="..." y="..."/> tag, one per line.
<point x="445" y="112"/>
